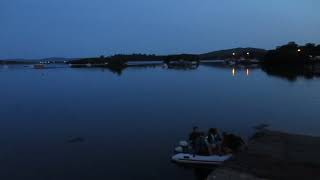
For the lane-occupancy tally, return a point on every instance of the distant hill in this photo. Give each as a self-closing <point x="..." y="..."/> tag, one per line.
<point x="215" y="55"/>
<point x="229" y="53"/>
<point x="58" y="59"/>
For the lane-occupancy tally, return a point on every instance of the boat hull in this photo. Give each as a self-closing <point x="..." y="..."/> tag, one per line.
<point x="183" y="158"/>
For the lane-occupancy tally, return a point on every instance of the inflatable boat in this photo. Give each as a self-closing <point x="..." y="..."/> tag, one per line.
<point x="184" y="155"/>
<point x="198" y="159"/>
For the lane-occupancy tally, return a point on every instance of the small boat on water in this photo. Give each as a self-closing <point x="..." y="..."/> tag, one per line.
<point x="184" y="155"/>
<point x="187" y="158"/>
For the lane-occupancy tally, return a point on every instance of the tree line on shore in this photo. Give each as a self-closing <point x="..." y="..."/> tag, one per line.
<point x="290" y="53"/>
<point x="291" y="61"/>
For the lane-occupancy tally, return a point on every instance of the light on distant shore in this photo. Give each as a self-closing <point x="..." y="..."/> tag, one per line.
<point x="233" y="54"/>
<point x="248" y="53"/>
<point x="299" y="50"/>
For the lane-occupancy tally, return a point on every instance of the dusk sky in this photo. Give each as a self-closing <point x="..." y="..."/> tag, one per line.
<point x="82" y="28"/>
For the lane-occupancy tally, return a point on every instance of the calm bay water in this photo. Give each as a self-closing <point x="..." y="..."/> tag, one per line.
<point x="131" y="122"/>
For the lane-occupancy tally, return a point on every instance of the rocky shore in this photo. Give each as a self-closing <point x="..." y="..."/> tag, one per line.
<point x="274" y="155"/>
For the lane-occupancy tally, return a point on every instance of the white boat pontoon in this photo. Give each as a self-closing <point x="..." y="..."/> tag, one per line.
<point x="200" y="160"/>
<point x="184" y="155"/>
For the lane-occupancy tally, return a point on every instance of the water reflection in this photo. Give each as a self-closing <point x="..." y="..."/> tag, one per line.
<point x="287" y="72"/>
<point x="174" y="66"/>
<point x="118" y="70"/>
<point x="293" y="72"/>
<point x="235" y="69"/>
<point x="182" y="65"/>
<point x="233" y="72"/>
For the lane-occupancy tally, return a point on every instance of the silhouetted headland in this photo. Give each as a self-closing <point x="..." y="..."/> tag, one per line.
<point x="291" y="61"/>
<point x="292" y="53"/>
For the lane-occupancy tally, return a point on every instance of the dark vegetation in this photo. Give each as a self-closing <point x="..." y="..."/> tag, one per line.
<point x="116" y="63"/>
<point x="182" y="61"/>
<point x="121" y="59"/>
<point x="181" y="57"/>
<point x="292" y="61"/>
<point x="216" y="55"/>
<point x="138" y="57"/>
<point x="116" y="60"/>
<point x="289" y="53"/>
<point x="292" y="53"/>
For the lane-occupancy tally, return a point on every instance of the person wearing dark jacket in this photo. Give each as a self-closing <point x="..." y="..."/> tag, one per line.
<point x="214" y="141"/>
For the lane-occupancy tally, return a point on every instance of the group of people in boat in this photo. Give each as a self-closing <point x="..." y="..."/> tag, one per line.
<point x="213" y="143"/>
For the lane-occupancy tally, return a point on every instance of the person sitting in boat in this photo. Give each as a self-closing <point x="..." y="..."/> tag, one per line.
<point x="198" y="142"/>
<point x="214" y="141"/>
<point x="202" y="145"/>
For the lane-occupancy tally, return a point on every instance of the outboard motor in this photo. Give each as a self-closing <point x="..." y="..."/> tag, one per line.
<point x="182" y="148"/>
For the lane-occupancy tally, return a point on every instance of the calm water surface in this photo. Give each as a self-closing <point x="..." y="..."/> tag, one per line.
<point x="131" y="122"/>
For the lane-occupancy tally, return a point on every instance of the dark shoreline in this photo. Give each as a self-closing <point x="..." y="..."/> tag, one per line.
<point x="274" y="155"/>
